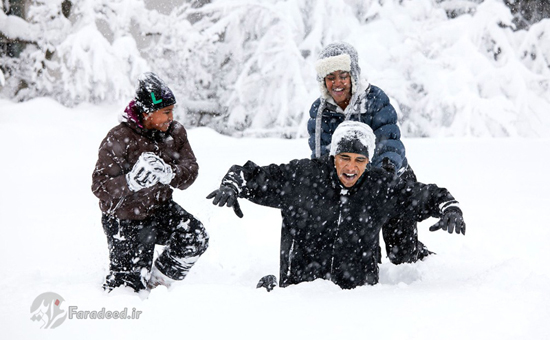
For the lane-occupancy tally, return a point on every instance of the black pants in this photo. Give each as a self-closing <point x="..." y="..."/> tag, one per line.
<point x="131" y="244"/>
<point x="401" y="235"/>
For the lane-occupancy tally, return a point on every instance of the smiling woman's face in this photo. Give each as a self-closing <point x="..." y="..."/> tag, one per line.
<point x="160" y="119"/>
<point x="350" y="167"/>
<point x="338" y="84"/>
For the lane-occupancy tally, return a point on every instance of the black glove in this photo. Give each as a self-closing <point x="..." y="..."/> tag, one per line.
<point x="388" y="165"/>
<point x="268" y="282"/>
<point x="451" y="220"/>
<point x="226" y="195"/>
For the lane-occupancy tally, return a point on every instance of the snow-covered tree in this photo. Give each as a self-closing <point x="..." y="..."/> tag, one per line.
<point x="49" y="27"/>
<point x="528" y="12"/>
<point x="239" y="65"/>
<point x="72" y="60"/>
<point x="451" y="67"/>
<point x="455" y="76"/>
<point x="94" y="68"/>
<point x="13" y="30"/>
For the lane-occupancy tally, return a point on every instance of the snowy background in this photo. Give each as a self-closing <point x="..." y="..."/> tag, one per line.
<point x="245" y="69"/>
<point x="490" y="284"/>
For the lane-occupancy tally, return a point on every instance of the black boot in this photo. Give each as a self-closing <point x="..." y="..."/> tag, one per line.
<point x="268" y="282"/>
<point x="132" y="280"/>
<point x="423" y="251"/>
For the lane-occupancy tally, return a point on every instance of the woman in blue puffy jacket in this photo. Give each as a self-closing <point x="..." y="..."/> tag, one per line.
<point x="345" y="97"/>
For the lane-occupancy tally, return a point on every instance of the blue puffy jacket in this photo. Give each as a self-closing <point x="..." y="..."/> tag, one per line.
<point x="371" y="107"/>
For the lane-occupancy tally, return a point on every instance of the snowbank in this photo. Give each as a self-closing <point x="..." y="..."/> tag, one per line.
<point x="490" y="284"/>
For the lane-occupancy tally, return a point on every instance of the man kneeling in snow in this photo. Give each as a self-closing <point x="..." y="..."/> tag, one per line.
<point x="333" y="208"/>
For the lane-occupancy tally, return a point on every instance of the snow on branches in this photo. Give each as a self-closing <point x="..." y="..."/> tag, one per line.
<point x="451" y="68"/>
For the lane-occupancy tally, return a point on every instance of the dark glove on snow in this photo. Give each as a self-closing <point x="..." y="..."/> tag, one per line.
<point x="268" y="282"/>
<point x="451" y="220"/>
<point x="226" y="195"/>
<point x="388" y="165"/>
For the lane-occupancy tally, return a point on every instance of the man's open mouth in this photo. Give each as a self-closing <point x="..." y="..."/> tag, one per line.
<point x="349" y="176"/>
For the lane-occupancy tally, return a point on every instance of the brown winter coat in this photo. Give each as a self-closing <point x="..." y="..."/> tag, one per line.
<point x="118" y="153"/>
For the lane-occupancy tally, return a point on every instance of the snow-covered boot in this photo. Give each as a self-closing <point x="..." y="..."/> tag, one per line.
<point x="423" y="251"/>
<point x="122" y="279"/>
<point x="268" y="282"/>
<point x="158" y="279"/>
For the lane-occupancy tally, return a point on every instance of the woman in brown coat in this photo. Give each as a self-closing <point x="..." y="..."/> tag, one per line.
<point x="140" y="161"/>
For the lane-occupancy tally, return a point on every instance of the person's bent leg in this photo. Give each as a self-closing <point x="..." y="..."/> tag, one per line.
<point x="187" y="241"/>
<point x="401" y="239"/>
<point x="131" y="245"/>
<point x="401" y="234"/>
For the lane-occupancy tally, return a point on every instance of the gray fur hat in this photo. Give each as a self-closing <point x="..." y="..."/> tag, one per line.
<point x="338" y="56"/>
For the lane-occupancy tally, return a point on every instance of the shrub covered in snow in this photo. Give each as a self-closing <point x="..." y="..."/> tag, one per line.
<point x="452" y="68"/>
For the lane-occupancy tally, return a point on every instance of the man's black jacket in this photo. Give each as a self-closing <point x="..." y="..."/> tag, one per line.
<point x="329" y="231"/>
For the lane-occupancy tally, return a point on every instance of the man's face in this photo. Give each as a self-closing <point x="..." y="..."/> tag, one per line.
<point x="160" y="119"/>
<point x="349" y="167"/>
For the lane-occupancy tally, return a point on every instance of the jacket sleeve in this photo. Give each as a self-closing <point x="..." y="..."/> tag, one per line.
<point x="386" y="130"/>
<point x="267" y="185"/>
<point x="420" y="201"/>
<point x="108" y="178"/>
<point x="185" y="165"/>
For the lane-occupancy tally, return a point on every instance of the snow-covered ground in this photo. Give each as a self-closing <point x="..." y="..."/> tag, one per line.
<point x="490" y="284"/>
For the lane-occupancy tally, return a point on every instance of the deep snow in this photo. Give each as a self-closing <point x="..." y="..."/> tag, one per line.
<point x="490" y="284"/>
